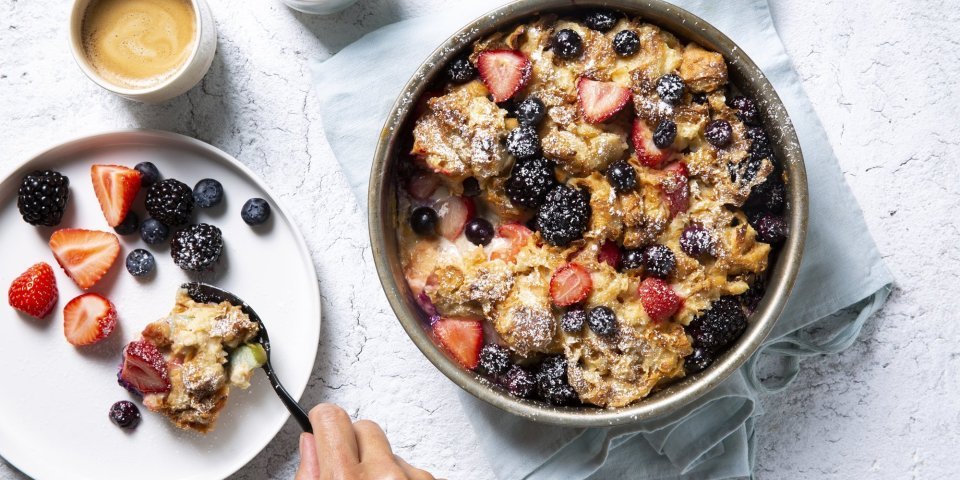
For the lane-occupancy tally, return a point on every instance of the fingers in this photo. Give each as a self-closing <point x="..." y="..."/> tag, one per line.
<point x="333" y="435"/>
<point x="372" y="442"/>
<point x="412" y="472"/>
<point x="309" y="465"/>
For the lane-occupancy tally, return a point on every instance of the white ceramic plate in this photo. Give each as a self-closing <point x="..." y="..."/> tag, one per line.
<point x="55" y="397"/>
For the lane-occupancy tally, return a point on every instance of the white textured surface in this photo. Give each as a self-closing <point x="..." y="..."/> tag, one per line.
<point x="882" y="75"/>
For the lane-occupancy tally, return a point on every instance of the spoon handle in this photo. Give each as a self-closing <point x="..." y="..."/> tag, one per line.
<point x="292" y="406"/>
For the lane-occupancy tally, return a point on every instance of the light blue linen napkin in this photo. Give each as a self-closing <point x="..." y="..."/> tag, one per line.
<point x="841" y="283"/>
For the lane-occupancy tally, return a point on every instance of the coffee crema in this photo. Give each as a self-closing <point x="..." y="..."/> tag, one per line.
<point x="138" y="43"/>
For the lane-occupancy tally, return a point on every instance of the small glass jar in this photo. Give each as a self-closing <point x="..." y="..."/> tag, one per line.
<point x="319" y="7"/>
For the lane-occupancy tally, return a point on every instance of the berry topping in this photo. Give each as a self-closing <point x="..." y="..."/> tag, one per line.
<point x="530" y="182"/>
<point x="34" y="292"/>
<point x="255" y="211"/>
<point x="461" y="338"/>
<point x="171" y="202"/>
<point x="531" y="111"/>
<point x="600" y="100"/>
<point x="671" y="88"/>
<point x="600" y="20"/>
<point x="148" y="173"/>
<point x="747" y="110"/>
<point x="197" y="247"/>
<point x="494" y="359"/>
<point x="552" y="381"/>
<point x="43" y="197"/>
<point x="116" y="188"/>
<point x="153" y="232"/>
<point x="567" y="44"/>
<point x="125" y="414"/>
<point x="759" y="143"/>
<point x="564" y="216"/>
<point x="720" y="326"/>
<point x="479" y="231"/>
<point x="85" y="255"/>
<point x="698" y="361"/>
<point x="718" y="133"/>
<point x="471" y="187"/>
<point x="570" y="284"/>
<point x="665" y="134"/>
<point x="519" y="382"/>
<point x="143" y="370"/>
<point x="609" y="253"/>
<point x="523" y="142"/>
<point x="88" y="319"/>
<point x="423" y="221"/>
<point x="207" y="193"/>
<point x="461" y="70"/>
<point x="573" y="320"/>
<point x="648" y="152"/>
<point x="129" y="225"/>
<point x="696" y="241"/>
<point x="517" y="237"/>
<point x="602" y="321"/>
<point x="769" y="196"/>
<point x="632" y="260"/>
<point x="503" y="72"/>
<point x="676" y="188"/>
<point x="771" y="229"/>
<point x="626" y="43"/>
<point x="421" y="185"/>
<point x="453" y="213"/>
<point x="659" y="260"/>
<point x="700" y="98"/>
<point x="140" y="262"/>
<point x="658" y="299"/>
<point x="622" y="176"/>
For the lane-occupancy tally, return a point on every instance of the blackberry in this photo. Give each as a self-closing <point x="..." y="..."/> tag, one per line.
<point x="125" y="414"/>
<point x="42" y="198"/>
<point x="696" y="240"/>
<point x="602" y="321"/>
<point x="129" y="225"/>
<point x="552" y="381"/>
<point x="700" y="98"/>
<point x="671" y="88"/>
<point x="523" y="142"/>
<point x="600" y="20"/>
<point x="471" y="187"/>
<point x="718" y="133"/>
<point x="752" y="168"/>
<point x="494" y="360"/>
<point x="720" y="326"/>
<point x="153" y="232"/>
<point x="631" y="259"/>
<point x="622" y="176"/>
<point x="148" y="173"/>
<point x="771" y="229"/>
<point x="626" y="43"/>
<point x="461" y="70"/>
<point x="769" y="196"/>
<point x="567" y="44"/>
<point x="564" y="216"/>
<point x="698" y="361"/>
<point x="531" y="111"/>
<point x="572" y="321"/>
<point x="423" y="220"/>
<point x="659" y="260"/>
<point x="519" y="382"/>
<point x="751" y="299"/>
<point x="479" y="231"/>
<point x="197" y="247"/>
<point x="530" y="182"/>
<point x="140" y="262"/>
<point x="171" y="202"/>
<point x="747" y="110"/>
<point x="665" y="134"/>
<point x="207" y="193"/>
<point x="255" y="211"/>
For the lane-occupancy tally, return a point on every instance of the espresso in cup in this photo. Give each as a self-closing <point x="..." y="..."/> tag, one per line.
<point x="138" y="44"/>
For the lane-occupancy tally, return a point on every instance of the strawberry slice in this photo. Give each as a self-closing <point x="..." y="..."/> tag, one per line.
<point x="85" y="255"/>
<point x="569" y="285"/>
<point x="34" y="292"/>
<point x="517" y="236"/>
<point x="462" y="338"/>
<point x="454" y="213"/>
<point x="88" y="319"/>
<point x="676" y="188"/>
<point x="647" y="152"/>
<point x="609" y="253"/>
<point x="658" y="299"/>
<point x="422" y="184"/>
<point x="600" y="100"/>
<point x="116" y="188"/>
<point x="143" y="370"/>
<point x="504" y="72"/>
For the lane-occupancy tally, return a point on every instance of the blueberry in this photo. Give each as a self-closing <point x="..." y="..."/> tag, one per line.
<point x="531" y="111"/>
<point x="602" y="321"/>
<point x="718" y="133"/>
<point x="461" y="70"/>
<point x="471" y="187"/>
<point x="519" y="382"/>
<point x="572" y="321"/>
<point x="148" y="173"/>
<point x="622" y="176"/>
<point x="153" y="232"/>
<point x="140" y="262"/>
<point x="125" y="414"/>
<point x="207" y="193"/>
<point x="423" y="220"/>
<point x="699" y="360"/>
<point x="671" y="88"/>
<point x="494" y="360"/>
<point x="720" y="326"/>
<point x="696" y="240"/>
<point x="659" y="260"/>
<point x="632" y="259"/>
<point x="523" y="142"/>
<point x="479" y="231"/>
<point x="600" y="20"/>
<point x="665" y="134"/>
<point x="771" y="229"/>
<point x="567" y="44"/>
<point x="255" y="212"/>
<point x="129" y="225"/>
<point x="747" y="111"/>
<point x="626" y="43"/>
<point x="700" y="98"/>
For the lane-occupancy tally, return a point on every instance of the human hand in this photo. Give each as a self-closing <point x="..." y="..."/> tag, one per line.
<point x="340" y="449"/>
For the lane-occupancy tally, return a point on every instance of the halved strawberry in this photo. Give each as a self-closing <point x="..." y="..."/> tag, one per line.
<point x="85" y="255"/>
<point x="116" y="188"/>
<point x="88" y="319"/>
<point x="658" y="299"/>
<point x="647" y="152"/>
<point x="609" y="253"/>
<point x="504" y="72"/>
<point x="454" y="213"/>
<point x="570" y="284"/>
<point x="34" y="292"/>
<point x="143" y="369"/>
<point x="676" y="188"/>
<point x="600" y="100"/>
<point x="462" y="338"/>
<point x="422" y="184"/>
<point x="517" y="237"/>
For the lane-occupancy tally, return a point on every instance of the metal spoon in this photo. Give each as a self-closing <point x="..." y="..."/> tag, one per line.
<point x="204" y="293"/>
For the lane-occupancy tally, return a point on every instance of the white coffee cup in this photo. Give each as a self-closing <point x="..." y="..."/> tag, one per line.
<point x="319" y="7"/>
<point x="203" y="49"/>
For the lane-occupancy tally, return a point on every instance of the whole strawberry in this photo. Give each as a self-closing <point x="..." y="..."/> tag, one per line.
<point x="35" y="291"/>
